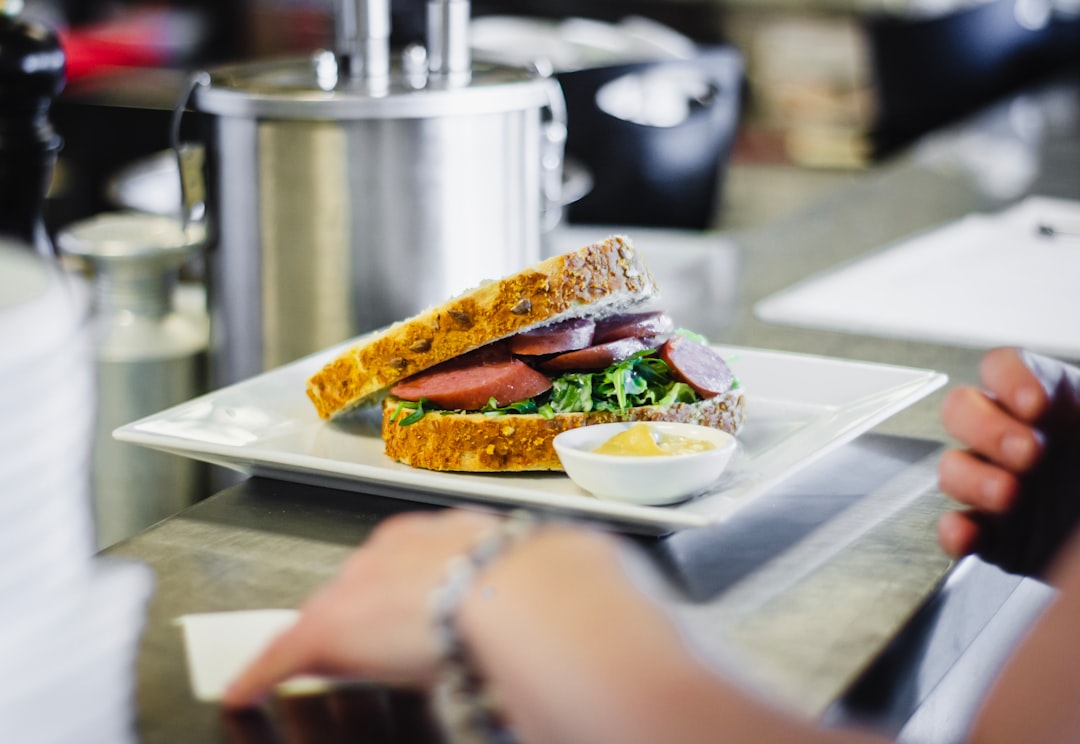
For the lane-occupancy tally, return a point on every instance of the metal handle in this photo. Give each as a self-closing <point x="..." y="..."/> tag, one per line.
<point x="189" y="157"/>
<point x="552" y="154"/>
<point x="362" y="34"/>
<point x="448" y="40"/>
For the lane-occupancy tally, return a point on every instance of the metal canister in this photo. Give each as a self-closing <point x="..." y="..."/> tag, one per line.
<point x="352" y="189"/>
<point x="151" y="354"/>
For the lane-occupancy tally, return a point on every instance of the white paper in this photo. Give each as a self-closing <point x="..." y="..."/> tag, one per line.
<point x="982" y="281"/>
<point x="220" y="644"/>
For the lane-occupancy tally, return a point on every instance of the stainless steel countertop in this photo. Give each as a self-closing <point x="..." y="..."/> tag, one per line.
<point x="802" y="591"/>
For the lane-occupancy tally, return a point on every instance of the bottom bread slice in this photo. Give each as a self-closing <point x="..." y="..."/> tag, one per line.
<point x="479" y="443"/>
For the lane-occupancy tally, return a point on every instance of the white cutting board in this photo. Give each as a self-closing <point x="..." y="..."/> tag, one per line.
<point x="982" y="281"/>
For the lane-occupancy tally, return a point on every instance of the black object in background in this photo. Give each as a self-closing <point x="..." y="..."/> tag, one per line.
<point x="657" y="176"/>
<point x="700" y="21"/>
<point x="107" y="123"/>
<point x="31" y="75"/>
<point x="933" y="71"/>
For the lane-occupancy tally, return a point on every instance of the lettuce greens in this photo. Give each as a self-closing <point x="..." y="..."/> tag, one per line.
<point x="640" y="380"/>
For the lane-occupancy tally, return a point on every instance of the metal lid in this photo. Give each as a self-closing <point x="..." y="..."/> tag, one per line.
<point x="312" y="89"/>
<point x="135" y="258"/>
<point x="127" y="237"/>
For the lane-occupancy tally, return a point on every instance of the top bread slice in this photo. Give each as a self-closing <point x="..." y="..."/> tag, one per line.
<point x="600" y="279"/>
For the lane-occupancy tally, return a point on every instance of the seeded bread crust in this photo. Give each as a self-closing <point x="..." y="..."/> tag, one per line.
<point x="604" y="277"/>
<point x="473" y="442"/>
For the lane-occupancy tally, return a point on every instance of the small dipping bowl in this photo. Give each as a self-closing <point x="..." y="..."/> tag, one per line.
<point x="648" y="479"/>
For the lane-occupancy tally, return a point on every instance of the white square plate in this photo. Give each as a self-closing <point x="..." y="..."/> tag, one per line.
<point x="799" y="407"/>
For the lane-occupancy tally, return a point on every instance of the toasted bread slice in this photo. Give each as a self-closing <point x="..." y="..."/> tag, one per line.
<point x="479" y="443"/>
<point x="600" y="279"/>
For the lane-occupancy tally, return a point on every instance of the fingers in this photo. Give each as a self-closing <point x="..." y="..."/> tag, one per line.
<point x="1012" y="475"/>
<point x="958" y="534"/>
<point x="985" y="488"/>
<point x="989" y="430"/>
<point x="289" y="654"/>
<point x="1008" y="375"/>
<point x="976" y="483"/>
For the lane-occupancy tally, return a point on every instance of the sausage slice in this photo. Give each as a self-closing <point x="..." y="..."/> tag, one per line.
<point x="599" y="356"/>
<point x="469" y="381"/>
<point x="638" y="325"/>
<point x="568" y="335"/>
<point x="698" y="365"/>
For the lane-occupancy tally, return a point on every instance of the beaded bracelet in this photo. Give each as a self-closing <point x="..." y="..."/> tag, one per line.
<point x="463" y="706"/>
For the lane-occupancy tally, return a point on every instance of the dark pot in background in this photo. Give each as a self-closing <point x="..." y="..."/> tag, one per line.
<point x="656" y="137"/>
<point x="651" y="114"/>
<point x="929" y="72"/>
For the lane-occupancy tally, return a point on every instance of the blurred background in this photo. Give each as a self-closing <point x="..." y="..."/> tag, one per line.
<point x="829" y="85"/>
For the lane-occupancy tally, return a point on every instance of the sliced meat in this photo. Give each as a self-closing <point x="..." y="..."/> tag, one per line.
<point x="599" y="356"/>
<point x="469" y="381"/>
<point x="638" y="325"/>
<point x="698" y="365"/>
<point x="576" y="333"/>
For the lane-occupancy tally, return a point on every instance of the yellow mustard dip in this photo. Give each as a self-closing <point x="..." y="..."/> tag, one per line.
<point x="638" y="441"/>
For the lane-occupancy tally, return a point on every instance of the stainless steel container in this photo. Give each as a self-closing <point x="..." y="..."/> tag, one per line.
<point x="150" y="354"/>
<point x="345" y="194"/>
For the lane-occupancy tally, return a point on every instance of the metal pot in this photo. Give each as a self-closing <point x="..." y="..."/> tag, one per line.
<point x="342" y="201"/>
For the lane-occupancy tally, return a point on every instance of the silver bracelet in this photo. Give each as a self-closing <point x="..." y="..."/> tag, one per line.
<point x="463" y="705"/>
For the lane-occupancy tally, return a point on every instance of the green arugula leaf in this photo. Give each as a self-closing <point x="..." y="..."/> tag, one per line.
<point x="492" y="408"/>
<point x="679" y="392"/>
<point x="692" y="335"/>
<point x="572" y="393"/>
<point x="417" y="412"/>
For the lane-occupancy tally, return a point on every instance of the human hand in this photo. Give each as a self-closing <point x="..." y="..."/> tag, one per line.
<point x="1020" y="474"/>
<point x="372" y="620"/>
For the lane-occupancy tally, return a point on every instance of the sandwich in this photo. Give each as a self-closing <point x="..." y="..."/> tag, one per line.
<point x="485" y="381"/>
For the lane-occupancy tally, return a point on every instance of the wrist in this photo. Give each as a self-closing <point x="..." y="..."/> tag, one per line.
<point x="565" y="597"/>
<point x="463" y="703"/>
<point x="529" y="581"/>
